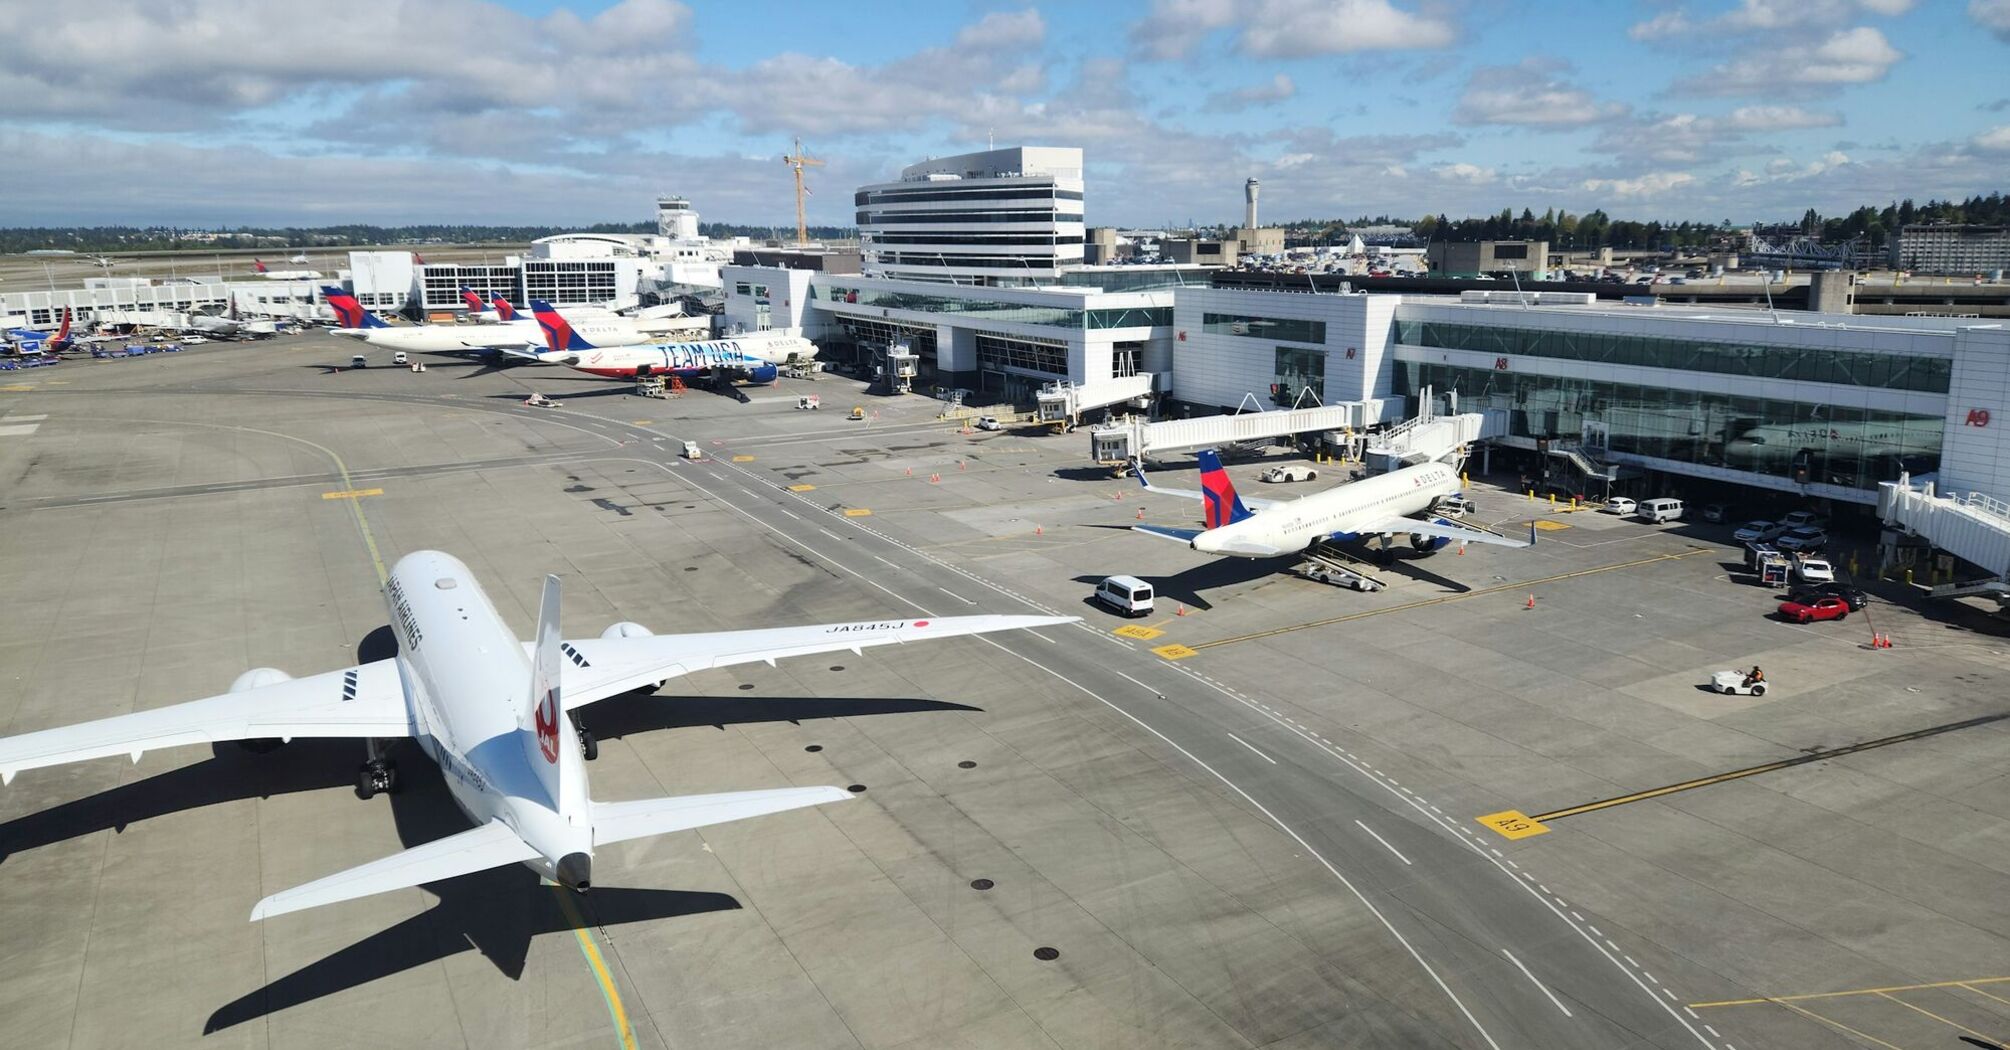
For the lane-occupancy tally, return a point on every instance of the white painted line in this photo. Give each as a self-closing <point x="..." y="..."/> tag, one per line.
<point x="1143" y="686"/>
<point x="743" y="490"/>
<point x="1241" y="741"/>
<point x="23" y="428"/>
<point x="875" y="557"/>
<point x="23" y="419"/>
<point x="948" y="592"/>
<point x="1629" y="960"/>
<point x="1383" y="841"/>
<point x="1693" y="1014"/>
<point x="1712" y="1031"/>
<point x="1670" y="995"/>
<point x="779" y="510"/>
<point x="1048" y="640"/>
<point x="1650" y="977"/>
<point x="826" y="532"/>
<point x="1531" y="979"/>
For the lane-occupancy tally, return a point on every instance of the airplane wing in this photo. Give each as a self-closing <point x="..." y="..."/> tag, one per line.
<point x="597" y="668"/>
<point x="1168" y="533"/>
<point x="490" y="846"/>
<point x="365" y="701"/>
<point x="1443" y="529"/>
<point x="621" y="821"/>
<point x="1252" y="502"/>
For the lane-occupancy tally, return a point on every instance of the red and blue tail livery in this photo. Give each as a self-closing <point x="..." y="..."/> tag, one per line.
<point x="348" y="312"/>
<point x="1222" y="505"/>
<point x="558" y="333"/>
<point x="474" y="301"/>
<point x="504" y="311"/>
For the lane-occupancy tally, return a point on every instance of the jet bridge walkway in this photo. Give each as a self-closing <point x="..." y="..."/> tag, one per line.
<point x="1137" y="439"/>
<point x="1974" y="527"/>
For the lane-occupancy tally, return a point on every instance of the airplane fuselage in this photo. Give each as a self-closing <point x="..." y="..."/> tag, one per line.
<point x="690" y="359"/>
<point x="1339" y="513"/>
<point x="465" y="675"/>
<point x="460" y="339"/>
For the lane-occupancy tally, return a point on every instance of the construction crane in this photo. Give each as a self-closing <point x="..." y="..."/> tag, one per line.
<point x="797" y="161"/>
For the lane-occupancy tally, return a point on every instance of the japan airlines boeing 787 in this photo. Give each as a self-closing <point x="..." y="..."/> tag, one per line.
<point x="491" y="710"/>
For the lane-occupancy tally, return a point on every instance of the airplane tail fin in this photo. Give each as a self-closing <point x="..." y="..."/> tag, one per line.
<point x="1222" y="505"/>
<point x="558" y="333"/>
<point x="257" y="266"/>
<point x="348" y="312"/>
<point x="474" y="301"/>
<point x="62" y="337"/>
<point x="504" y="311"/>
<point x="549" y="739"/>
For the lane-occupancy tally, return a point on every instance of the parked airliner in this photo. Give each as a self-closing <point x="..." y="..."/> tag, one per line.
<point x="1387" y="505"/>
<point x="491" y="711"/>
<point x="753" y="358"/>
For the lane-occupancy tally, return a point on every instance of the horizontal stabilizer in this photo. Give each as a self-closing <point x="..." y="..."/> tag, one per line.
<point x="1165" y="532"/>
<point x="490" y="846"/>
<point x="621" y="821"/>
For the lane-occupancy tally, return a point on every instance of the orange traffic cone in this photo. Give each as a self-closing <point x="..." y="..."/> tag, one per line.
<point x="1039" y="530"/>
<point x="935" y="479"/>
<point x="1182" y="610"/>
<point x="910" y="472"/>
<point x="1462" y="550"/>
<point x="1531" y="602"/>
<point x="1141" y="514"/>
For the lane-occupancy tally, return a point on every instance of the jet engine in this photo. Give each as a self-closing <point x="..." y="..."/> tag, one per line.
<point x="630" y="629"/>
<point x="1423" y="544"/>
<point x="256" y="678"/>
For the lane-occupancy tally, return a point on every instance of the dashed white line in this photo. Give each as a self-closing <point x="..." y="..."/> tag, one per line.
<point x="1246" y="744"/>
<point x="1383" y="841"/>
<point x="1531" y="979"/>
<point x="779" y="510"/>
<point x="1137" y="683"/>
<point x="955" y="595"/>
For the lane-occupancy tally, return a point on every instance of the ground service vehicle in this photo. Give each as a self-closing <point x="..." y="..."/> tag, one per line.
<point x="1660" y="510"/>
<point x="1289" y="472"/>
<point x="1127" y="595"/>
<point x="1736" y="683"/>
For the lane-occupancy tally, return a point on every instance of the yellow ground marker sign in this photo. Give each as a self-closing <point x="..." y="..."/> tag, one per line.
<point x="1138" y="631"/>
<point x="1547" y="525"/>
<point x="743" y="459"/>
<point x="1176" y="651"/>
<point x="1513" y="824"/>
<point x="17" y="388"/>
<point x="857" y="512"/>
<point x="352" y="494"/>
<point x="802" y="488"/>
<point x="641" y="422"/>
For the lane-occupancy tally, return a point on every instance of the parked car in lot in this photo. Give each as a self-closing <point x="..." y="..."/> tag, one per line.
<point x="1716" y="513"/>
<point x="1620" y="505"/>
<point x="1289" y="472"/>
<point x="1800" y="540"/>
<point x="989" y="423"/>
<point x="1759" y="531"/>
<point x="1660" y="510"/>
<point x="1851" y="596"/>
<point x="1805" y="519"/>
<point x="1824" y="607"/>
<point x="1813" y="570"/>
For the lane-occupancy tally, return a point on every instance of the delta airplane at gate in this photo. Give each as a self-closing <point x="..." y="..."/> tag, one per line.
<point x="494" y="713"/>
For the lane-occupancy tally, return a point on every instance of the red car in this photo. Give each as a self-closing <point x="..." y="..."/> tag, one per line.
<point x="1826" y="607"/>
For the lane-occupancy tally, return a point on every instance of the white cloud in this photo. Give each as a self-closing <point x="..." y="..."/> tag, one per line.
<point x="1778" y="118"/>
<point x="1289" y="28"/>
<point x="1995" y="140"/>
<point x="1531" y="94"/>
<point x="1994" y="15"/>
<point x="1467" y="173"/>
<point x="1277" y="89"/>
<point x="1852" y="56"/>
<point x="1004" y="30"/>
<point x="1754" y="17"/>
<point x="1652" y="184"/>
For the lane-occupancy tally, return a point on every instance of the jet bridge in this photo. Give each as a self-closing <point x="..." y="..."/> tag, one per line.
<point x="1974" y="527"/>
<point x="1065" y="402"/>
<point x="1138" y="439"/>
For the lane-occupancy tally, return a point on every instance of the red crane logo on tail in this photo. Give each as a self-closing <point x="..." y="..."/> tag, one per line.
<point x="547" y="725"/>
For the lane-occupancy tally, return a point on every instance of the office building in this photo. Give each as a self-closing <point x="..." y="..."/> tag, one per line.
<point x="1001" y="217"/>
<point x="1950" y="248"/>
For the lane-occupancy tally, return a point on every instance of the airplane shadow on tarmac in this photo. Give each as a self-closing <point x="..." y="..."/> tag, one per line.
<point x="1187" y="585"/>
<point x="496" y="912"/>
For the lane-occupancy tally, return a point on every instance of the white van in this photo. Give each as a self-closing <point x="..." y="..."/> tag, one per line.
<point x="1659" y="510"/>
<point x="1125" y="594"/>
<point x="400" y="358"/>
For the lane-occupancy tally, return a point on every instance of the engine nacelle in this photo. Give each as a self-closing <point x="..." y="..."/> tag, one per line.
<point x="630" y="629"/>
<point x="763" y="374"/>
<point x="1428" y="544"/>
<point x="259" y="677"/>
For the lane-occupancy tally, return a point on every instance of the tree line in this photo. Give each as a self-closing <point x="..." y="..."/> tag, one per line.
<point x="274" y="238"/>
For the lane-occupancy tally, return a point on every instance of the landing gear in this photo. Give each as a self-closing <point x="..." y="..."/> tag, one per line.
<point x="589" y="747"/>
<point x="376" y="774"/>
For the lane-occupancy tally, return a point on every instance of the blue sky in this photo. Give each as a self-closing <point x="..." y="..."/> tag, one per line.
<point x="236" y="111"/>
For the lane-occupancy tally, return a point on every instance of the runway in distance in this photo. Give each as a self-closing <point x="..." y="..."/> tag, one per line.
<point x="492" y="711"/>
<point x="1397" y="503"/>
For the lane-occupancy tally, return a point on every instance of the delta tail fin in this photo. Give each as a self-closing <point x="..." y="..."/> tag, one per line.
<point x="504" y="311"/>
<point x="549" y="740"/>
<point x="1222" y="505"/>
<point x="348" y="312"/>
<point x="474" y="301"/>
<point x="558" y="333"/>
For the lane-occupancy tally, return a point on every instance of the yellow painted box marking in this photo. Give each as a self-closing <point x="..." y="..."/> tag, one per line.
<point x="352" y="494"/>
<point x="1512" y="824"/>
<point x="1175" y="651"/>
<point x="1138" y="631"/>
<point x="857" y="512"/>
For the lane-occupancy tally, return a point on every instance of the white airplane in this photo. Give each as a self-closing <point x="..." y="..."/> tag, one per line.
<point x="755" y="358"/>
<point x="1387" y="505"/>
<point x="491" y="711"/>
<point x="513" y="337"/>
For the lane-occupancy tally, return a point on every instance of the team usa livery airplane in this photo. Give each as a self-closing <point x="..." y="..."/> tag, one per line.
<point x="493" y="713"/>
<point x="754" y="359"/>
<point x="1387" y="505"/>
